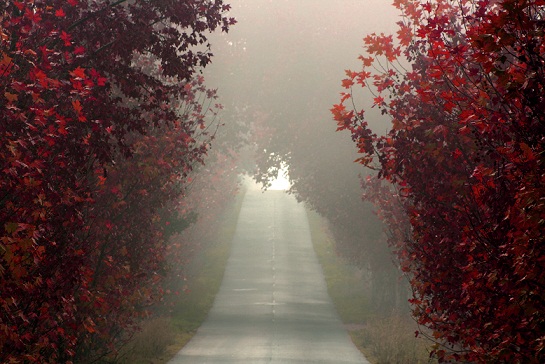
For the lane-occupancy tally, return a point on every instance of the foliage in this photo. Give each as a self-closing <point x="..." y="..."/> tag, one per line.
<point x="464" y="155"/>
<point x="100" y="129"/>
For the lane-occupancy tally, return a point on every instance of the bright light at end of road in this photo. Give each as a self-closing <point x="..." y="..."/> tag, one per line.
<point x="281" y="182"/>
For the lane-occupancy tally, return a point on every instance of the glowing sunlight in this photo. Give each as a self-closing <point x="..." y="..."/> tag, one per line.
<point x="282" y="181"/>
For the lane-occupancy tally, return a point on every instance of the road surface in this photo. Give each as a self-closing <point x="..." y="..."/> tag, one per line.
<point x="273" y="305"/>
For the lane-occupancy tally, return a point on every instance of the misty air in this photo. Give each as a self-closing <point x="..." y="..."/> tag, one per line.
<point x="272" y="181"/>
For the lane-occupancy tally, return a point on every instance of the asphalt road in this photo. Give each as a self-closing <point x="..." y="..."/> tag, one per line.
<point x="273" y="305"/>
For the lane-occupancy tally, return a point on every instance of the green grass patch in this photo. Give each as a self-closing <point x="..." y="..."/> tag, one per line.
<point x="345" y="283"/>
<point x="162" y="337"/>
<point x="203" y="281"/>
<point x="205" y="276"/>
<point x="382" y="339"/>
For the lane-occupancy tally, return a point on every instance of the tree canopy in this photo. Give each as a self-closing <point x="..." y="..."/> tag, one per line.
<point x="102" y="122"/>
<point x="460" y="172"/>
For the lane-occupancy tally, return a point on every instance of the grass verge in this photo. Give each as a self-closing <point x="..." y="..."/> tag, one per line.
<point x="383" y="340"/>
<point x="162" y="337"/>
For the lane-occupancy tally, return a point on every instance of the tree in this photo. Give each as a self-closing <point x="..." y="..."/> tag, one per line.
<point x="464" y="156"/>
<point x="94" y="147"/>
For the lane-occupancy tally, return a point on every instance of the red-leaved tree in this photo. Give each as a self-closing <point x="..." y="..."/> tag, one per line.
<point x="98" y="134"/>
<point x="463" y="83"/>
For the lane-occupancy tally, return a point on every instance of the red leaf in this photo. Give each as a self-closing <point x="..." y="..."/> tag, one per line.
<point x="347" y="83"/>
<point x="66" y="38"/>
<point x="77" y="106"/>
<point x="379" y="100"/>
<point x="78" y="73"/>
<point x="60" y="13"/>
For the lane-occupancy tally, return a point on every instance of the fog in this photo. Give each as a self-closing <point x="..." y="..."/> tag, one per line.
<point x="278" y="72"/>
<point x="288" y="57"/>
